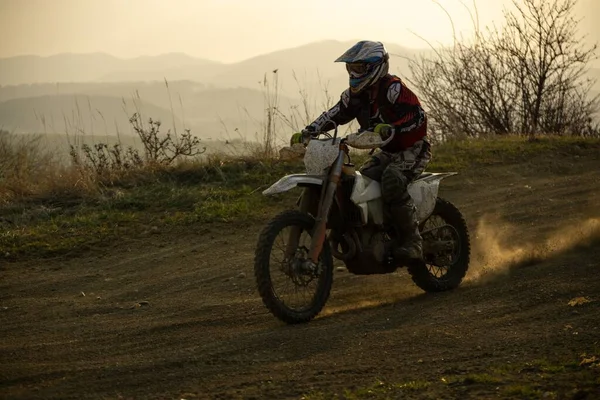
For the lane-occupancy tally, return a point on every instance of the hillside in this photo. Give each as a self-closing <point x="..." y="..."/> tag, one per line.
<point x="87" y="67"/>
<point x="77" y="114"/>
<point x="308" y="62"/>
<point x="106" y="108"/>
<point x="309" y="59"/>
<point x="210" y="98"/>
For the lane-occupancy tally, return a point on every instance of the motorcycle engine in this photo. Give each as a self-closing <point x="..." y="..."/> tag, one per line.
<point x="373" y="258"/>
<point x="374" y="241"/>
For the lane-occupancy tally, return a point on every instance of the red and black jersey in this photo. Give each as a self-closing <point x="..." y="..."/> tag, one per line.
<point x="394" y="104"/>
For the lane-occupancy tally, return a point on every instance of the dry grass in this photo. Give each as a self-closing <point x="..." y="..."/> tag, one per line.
<point x="28" y="170"/>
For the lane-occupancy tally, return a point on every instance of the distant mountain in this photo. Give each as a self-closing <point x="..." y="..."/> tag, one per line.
<point x="88" y="67"/>
<point x="211" y="98"/>
<point x="102" y="109"/>
<point x="194" y="72"/>
<point x="313" y="64"/>
<point x="310" y="63"/>
<point x="307" y="61"/>
<point x="78" y="115"/>
<point x="198" y="100"/>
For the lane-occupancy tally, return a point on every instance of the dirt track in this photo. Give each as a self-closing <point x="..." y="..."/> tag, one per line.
<point x="177" y="315"/>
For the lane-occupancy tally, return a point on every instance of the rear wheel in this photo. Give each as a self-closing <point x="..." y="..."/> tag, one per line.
<point x="290" y="290"/>
<point x="446" y="248"/>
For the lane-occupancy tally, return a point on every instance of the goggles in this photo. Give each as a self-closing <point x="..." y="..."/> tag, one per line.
<point x="357" y="69"/>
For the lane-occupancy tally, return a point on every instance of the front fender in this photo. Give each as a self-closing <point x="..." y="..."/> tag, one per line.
<point x="291" y="181"/>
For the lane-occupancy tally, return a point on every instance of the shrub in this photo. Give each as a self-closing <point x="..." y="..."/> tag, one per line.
<point x="526" y="78"/>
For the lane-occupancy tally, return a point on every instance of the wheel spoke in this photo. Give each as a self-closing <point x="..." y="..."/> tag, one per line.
<point x="294" y="288"/>
<point x="446" y="249"/>
<point x="436" y="229"/>
<point x="286" y="281"/>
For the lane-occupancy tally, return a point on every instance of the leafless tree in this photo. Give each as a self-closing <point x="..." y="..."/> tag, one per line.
<point x="526" y="77"/>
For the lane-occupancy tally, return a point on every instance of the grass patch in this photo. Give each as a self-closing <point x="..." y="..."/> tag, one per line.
<point x="457" y="155"/>
<point x="133" y="213"/>
<point x="482" y="378"/>
<point x="529" y="380"/>
<point x="522" y="391"/>
<point x="378" y="390"/>
<point x="55" y="225"/>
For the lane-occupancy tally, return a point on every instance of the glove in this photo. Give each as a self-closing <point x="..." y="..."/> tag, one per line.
<point x="384" y="130"/>
<point x="296" y="138"/>
<point x="302" y="136"/>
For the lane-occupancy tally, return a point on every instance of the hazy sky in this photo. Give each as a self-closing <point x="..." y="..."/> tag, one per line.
<point x="232" y="30"/>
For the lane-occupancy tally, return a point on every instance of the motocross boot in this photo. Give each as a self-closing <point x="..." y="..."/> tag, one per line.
<point x="408" y="246"/>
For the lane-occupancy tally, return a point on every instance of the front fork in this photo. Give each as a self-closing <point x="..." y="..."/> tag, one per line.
<point x="320" y="229"/>
<point x="305" y="203"/>
<point x="320" y="232"/>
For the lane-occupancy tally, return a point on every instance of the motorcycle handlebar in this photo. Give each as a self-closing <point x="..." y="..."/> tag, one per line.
<point x="366" y="139"/>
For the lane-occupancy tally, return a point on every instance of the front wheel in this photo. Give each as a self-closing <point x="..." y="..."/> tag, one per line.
<point x="292" y="293"/>
<point x="446" y="249"/>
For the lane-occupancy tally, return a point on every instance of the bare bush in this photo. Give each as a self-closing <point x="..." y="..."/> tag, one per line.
<point x="528" y="77"/>
<point x="164" y="149"/>
<point x="102" y="158"/>
<point x="159" y="150"/>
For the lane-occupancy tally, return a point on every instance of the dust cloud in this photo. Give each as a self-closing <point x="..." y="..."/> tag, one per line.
<point x="498" y="246"/>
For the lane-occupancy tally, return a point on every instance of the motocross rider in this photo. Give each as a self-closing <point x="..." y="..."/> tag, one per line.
<point x="381" y="102"/>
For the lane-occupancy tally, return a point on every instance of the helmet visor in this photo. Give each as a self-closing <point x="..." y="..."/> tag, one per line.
<point x="357" y="70"/>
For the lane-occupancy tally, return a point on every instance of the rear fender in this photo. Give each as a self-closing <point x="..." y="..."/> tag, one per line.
<point x="424" y="192"/>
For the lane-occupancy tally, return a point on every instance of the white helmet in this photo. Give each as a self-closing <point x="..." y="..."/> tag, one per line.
<point x="366" y="62"/>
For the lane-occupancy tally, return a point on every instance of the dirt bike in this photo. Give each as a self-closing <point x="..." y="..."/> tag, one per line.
<point x="340" y="214"/>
